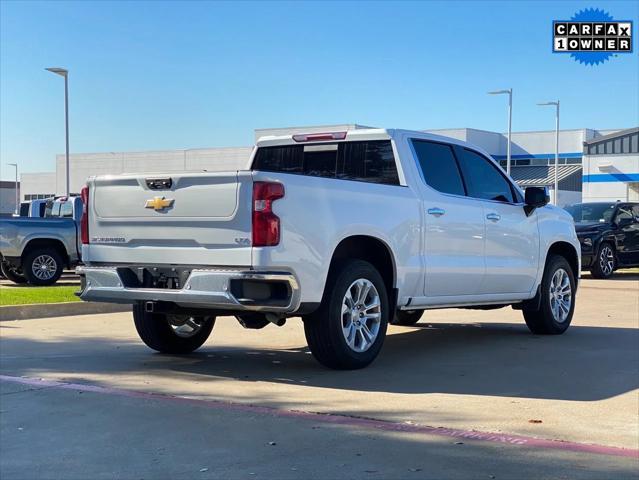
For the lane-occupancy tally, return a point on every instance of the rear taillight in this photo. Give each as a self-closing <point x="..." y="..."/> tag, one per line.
<point x="84" y="221"/>
<point x="266" y="225"/>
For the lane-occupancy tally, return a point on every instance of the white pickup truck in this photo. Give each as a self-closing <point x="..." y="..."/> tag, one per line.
<point x="350" y="231"/>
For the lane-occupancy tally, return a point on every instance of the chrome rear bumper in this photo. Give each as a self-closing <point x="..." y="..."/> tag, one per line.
<point x="204" y="288"/>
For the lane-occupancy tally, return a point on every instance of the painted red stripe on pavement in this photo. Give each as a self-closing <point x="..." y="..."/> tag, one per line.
<point x="337" y="419"/>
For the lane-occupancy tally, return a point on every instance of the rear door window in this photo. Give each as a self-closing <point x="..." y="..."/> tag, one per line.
<point x="439" y="166"/>
<point x="483" y="178"/>
<point x="371" y="161"/>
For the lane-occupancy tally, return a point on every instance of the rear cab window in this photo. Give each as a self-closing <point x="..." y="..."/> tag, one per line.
<point x="369" y="161"/>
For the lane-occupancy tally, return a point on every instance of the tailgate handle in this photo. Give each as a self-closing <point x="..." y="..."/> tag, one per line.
<point x="159" y="183"/>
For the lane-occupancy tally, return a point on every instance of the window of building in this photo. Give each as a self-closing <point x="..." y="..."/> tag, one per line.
<point x="439" y="166"/>
<point x="37" y="196"/>
<point x="621" y="145"/>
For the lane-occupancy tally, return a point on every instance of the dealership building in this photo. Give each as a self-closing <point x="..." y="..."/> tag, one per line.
<point x="593" y="164"/>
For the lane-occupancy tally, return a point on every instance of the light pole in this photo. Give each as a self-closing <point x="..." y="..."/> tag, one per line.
<point x="510" y="121"/>
<point x="556" y="104"/>
<point x="65" y="73"/>
<point x="17" y="210"/>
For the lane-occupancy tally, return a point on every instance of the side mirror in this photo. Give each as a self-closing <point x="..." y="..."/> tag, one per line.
<point x="535" y="197"/>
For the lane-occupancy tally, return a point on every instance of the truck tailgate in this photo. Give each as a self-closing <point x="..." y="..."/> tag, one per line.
<point x="179" y="218"/>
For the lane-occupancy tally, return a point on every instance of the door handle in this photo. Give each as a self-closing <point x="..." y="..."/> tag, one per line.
<point x="438" y="212"/>
<point x="495" y="217"/>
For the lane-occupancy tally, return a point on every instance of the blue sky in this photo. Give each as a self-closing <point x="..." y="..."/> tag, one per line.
<point x="169" y="75"/>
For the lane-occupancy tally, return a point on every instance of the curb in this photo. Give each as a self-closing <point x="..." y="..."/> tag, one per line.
<point x="47" y="310"/>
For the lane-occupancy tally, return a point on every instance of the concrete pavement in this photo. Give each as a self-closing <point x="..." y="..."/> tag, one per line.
<point x="463" y="369"/>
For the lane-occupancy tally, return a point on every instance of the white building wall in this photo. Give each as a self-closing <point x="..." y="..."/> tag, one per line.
<point x="84" y="165"/>
<point x="570" y="141"/>
<point x="523" y="143"/>
<point x="610" y="177"/>
<point x="491" y="142"/>
<point x="8" y="197"/>
<point x="38" y="184"/>
<point x="218" y="159"/>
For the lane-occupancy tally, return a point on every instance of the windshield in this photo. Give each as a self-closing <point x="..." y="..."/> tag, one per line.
<point x="591" y="212"/>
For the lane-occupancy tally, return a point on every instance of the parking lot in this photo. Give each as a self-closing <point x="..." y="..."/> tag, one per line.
<point x="464" y="393"/>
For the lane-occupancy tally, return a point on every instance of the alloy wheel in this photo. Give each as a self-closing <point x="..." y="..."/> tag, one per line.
<point x="44" y="267"/>
<point x="606" y="260"/>
<point x="361" y="315"/>
<point x="560" y="295"/>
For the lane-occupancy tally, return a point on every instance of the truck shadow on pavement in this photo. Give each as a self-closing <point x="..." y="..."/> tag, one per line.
<point x="495" y="359"/>
<point x="586" y="364"/>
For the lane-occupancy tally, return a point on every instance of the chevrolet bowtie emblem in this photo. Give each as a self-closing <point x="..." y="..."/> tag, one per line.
<point x="159" y="203"/>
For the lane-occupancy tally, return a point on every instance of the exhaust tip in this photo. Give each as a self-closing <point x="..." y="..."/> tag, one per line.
<point x="149" y="307"/>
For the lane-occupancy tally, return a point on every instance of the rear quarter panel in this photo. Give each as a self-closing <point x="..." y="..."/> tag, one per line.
<point x="318" y="213"/>
<point x="17" y="233"/>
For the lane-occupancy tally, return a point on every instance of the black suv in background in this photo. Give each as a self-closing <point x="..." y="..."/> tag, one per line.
<point x="609" y="235"/>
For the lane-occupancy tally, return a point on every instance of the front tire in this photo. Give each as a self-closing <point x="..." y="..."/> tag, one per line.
<point x="347" y="331"/>
<point x="605" y="262"/>
<point x="557" y="303"/>
<point x="175" y="334"/>
<point x="42" y="266"/>
<point x="12" y="274"/>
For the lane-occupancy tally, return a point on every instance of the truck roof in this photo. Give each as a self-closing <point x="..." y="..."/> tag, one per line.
<point x="361" y="134"/>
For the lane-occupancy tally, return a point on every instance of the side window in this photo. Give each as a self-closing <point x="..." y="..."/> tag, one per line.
<point x="371" y="162"/>
<point x="439" y="166"/>
<point x="66" y="209"/>
<point x="483" y="179"/>
<point x="623" y="212"/>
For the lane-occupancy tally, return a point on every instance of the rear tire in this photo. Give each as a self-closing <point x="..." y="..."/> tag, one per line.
<point x="407" y="318"/>
<point x="605" y="262"/>
<point x="557" y="303"/>
<point x="42" y="266"/>
<point x="176" y="334"/>
<point x="347" y="331"/>
<point x="12" y="273"/>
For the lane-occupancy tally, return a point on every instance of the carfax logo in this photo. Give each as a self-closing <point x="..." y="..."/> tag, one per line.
<point x="592" y="36"/>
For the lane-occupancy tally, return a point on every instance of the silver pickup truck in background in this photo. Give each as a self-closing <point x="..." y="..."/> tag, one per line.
<point x="36" y="250"/>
